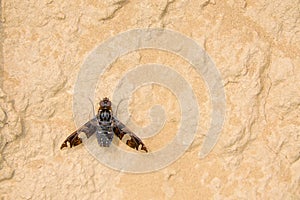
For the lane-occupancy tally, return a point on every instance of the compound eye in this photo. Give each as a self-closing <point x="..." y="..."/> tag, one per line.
<point x="109" y="103"/>
<point x="101" y="103"/>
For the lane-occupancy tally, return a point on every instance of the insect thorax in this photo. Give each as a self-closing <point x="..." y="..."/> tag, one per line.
<point x="105" y="118"/>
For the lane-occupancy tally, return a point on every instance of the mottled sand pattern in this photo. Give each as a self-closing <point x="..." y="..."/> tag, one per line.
<point x="254" y="44"/>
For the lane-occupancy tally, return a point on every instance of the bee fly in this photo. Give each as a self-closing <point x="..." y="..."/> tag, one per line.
<point x="105" y="126"/>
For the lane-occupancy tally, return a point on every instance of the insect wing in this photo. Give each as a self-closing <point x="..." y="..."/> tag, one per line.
<point x="127" y="136"/>
<point x="88" y="128"/>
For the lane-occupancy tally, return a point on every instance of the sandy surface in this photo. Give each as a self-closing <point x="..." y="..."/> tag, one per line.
<point x="255" y="46"/>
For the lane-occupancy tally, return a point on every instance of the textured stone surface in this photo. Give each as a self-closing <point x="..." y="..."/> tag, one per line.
<point x="254" y="44"/>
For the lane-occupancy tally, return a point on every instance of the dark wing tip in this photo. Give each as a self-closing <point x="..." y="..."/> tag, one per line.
<point x="144" y="148"/>
<point x="63" y="145"/>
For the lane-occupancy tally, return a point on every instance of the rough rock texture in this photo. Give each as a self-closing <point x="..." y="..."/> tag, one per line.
<point x="254" y="44"/>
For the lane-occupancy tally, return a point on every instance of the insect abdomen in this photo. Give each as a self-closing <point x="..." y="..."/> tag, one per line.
<point x="104" y="138"/>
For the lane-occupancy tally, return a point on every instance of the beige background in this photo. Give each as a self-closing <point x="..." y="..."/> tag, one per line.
<point x="254" y="44"/>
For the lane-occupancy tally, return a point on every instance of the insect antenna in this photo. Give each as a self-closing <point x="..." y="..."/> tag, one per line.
<point x="119" y="105"/>
<point x="92" y="107"/>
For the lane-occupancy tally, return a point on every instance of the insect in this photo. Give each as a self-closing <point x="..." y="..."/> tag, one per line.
<point x="105" y="126"/>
